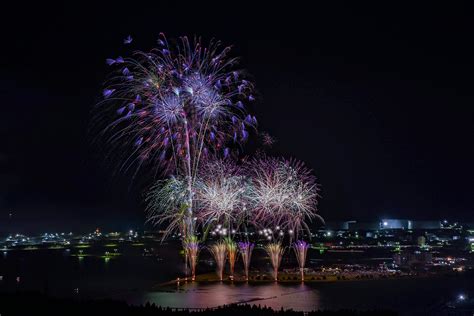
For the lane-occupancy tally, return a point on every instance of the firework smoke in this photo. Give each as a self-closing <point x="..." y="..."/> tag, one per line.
<point x="246" y="249"/>
<point x="219" y="251"/>
<point x="275" y="252"/>
<point x="301" y="248"/>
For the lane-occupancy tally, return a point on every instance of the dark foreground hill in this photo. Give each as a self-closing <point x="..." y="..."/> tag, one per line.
<point x="26" y="303"/>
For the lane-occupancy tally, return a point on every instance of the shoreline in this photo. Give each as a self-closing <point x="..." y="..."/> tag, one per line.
<point x="289" y="278"/>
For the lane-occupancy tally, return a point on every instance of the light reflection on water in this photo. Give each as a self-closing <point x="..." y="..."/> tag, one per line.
<point x="192" y="295"/>
<point x="407" y="296"/>
<point x="133" y="278"/>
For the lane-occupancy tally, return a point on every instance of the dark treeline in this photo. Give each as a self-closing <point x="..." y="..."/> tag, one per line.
<point x="21" y="304"/>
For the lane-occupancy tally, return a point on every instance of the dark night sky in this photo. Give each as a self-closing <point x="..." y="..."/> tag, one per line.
<point x="379" y="101"/>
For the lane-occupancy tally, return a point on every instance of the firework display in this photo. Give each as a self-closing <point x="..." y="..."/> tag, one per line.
<point x="167" y="203"/>
<point x="266" y="192"/>
<point x="246" y="249"/>
<point x="219" y="252"/>
<point x="300" y="248"/>
<point x="283" y="194"/>
<point x="275" y="252"/>
<point x="191" y="246"/>
<point x="175" y="105"/>
<point x="232" y="252"/>
<point x="267" y="139"/>
<point x="220" y="194"/>
<point x="181" y="109"/>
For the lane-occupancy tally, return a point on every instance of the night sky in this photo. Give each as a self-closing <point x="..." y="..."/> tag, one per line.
<point x="377" y="100"/>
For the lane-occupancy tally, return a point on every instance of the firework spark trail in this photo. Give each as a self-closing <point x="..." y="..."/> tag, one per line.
<point x="219" y="251"/>
<point x="275" y="252"/>
<point x="173" y="106"/>
<point x="283" y="193"/>
<point x="301" y="249"/>
<point x="232" y="252"/>
<point x="166" y="203"/>
<point x="246" y="249"/>
<point x="191" y="246"/>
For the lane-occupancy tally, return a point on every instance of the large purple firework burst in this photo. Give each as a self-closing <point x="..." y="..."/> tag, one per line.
<point x="174" y="106"/>
<point x="177" y="103"/>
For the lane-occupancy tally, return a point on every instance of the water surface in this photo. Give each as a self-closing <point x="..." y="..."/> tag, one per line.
<point x="133" y="278"/>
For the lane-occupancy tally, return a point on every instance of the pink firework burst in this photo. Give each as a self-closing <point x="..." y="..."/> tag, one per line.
<point x="221" y="191"/>
<point x="267" y="139"/>
<point x="283" y="193"/>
